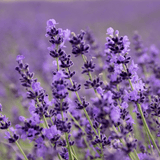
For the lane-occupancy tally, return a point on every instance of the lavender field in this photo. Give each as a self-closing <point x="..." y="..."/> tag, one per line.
<point x="80" y="80"/>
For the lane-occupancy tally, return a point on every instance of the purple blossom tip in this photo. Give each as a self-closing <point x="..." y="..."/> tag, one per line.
<point x="20" y="57"/>
<point x="100" y="90"/>
<point x="117" y="33"/>
<point x="110" y="31"/>
<point x="0" y="107"/>
<point x="22" y="119"/>
<point x="7" y="135"/>
<point x="51" y="23"/>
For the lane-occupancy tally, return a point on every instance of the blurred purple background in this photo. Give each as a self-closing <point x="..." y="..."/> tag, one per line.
<point x="23" y="24"/>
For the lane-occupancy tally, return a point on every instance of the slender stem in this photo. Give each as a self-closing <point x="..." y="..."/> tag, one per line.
<point x="90" y="76"/>
<point x="21" y="150"/>
<point x="118" y="91"/>
<point x="83" y="108"/>
<point x="147" y="128"/>
<point x="90" y="121"/>
<point x="66" y="134"/>
<point x="99" y="134"/>
<point x="19" y="147"/>
<point x="123" y="142"/>
<point x="57" y="64"/>
<point x="89" y="73"/>
<point x="74" y="154"/>
<point x="45" y="121"/>
<point x="143" y="118"/>
<point x="84" y="58"/>
<point x="45" y="124"/>
<point x="136" y="155"/>
<point x="51" y="121"/>
<point x="149" y="143"/>
<point x="66" y="137"/>
<point x="69" y="148"/>
<point x="82" y="104"/>
<point x="86" y="114"/>
<point x="59" y="156"/>
<point x="76" y="122"/>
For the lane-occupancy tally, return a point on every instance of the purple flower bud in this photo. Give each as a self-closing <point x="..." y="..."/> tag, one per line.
<point x="51" y="23"/>
<point x="115" y="114"/>
<point x="36" y="86"/>
<point x="110" y="31"/>
<point x="117" y="33"/>
<point x="59" y="75"/>
<point x="139" y="86"/>
<point x="4" y="118"/>
<point x="154" y="50"/>
<point x="129" y="119"/>
<point x="100" y="91"/>
<point x="12" y="129"/>
<point x="32" y="107"/>
<point x="7" y="135"/>
<point x="51" y="132"/>
<point x="121" y="58"/>
<point x="22" y="119"/>
<point x="133" y="95"/>
<point x="0" y="107"/>
<point x="20" y="57"/>
<point x="17" y="126"/>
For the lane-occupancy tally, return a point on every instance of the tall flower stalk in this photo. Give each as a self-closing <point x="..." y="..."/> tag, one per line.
<point x="90" y="116"/>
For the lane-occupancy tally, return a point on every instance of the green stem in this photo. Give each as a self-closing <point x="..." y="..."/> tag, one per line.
<point x="147" y="128"/>
<point x="118" y="91"/>
<point x="21" y="150"/>
<point x="80" y="128"/>
<point x="90" y="121"/>
<point x="57" y="64"/>
<point x="74" y="154"/>
<point x="45" y="121"/>
<point x="83" y="108"/>
<point x="143" y="118"/>
<point x="45" y="124"/>
<point x="123" y="142"/>
<point x="19" y="147"/>
<point x="59" y="157"/>
<point x="66" y="137"/>
<point x="68" y="146"/>
<point x="136" y="155"/>
<point x="149" y="142"/>
<point x="86" y="114"/>
<point x="51" y="121"/>
<point x="76" y="122"/>
<point x="90" y="76"/>
<point x="66" y="134"/>
<point x="89" y="73"/>
<point x="99" y="134"/>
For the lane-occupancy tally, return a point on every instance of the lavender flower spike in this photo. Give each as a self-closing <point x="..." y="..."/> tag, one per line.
<point x="110" y="31"/>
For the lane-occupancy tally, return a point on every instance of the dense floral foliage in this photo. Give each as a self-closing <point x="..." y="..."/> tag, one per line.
<point x="109" y="109"/>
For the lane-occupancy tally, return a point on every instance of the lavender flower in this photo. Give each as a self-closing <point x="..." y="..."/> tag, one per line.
<point x="108" y="111"/>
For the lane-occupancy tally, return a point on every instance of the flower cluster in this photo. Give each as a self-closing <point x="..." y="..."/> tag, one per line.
<point x="106" y="111"/>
